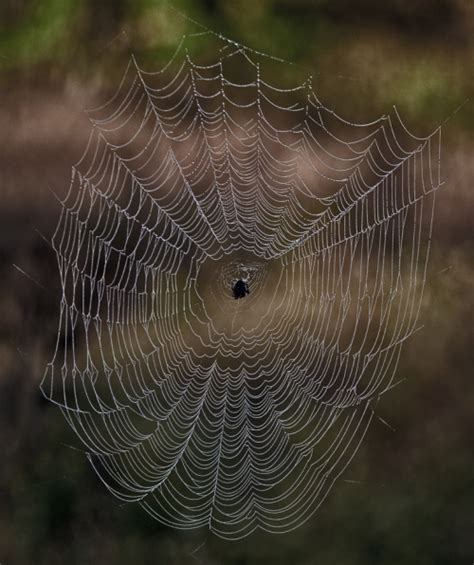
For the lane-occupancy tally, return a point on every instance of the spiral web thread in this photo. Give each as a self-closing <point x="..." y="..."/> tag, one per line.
<point x="210" y="411"/>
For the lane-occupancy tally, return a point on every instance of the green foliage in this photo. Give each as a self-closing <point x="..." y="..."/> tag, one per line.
<point x="41" y="32"/>
<point x="395" y="54"/>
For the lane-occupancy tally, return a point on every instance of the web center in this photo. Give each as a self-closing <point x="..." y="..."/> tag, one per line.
<point x="223" y="284"/>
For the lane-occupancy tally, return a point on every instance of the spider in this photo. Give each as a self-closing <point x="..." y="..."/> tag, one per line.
<point x="240" y="289"/>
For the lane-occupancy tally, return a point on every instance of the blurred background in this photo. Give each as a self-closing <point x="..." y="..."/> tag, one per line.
<point x="409" y="495"/>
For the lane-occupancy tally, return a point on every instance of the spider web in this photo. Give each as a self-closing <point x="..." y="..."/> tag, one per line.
<point x="210" y="411"/>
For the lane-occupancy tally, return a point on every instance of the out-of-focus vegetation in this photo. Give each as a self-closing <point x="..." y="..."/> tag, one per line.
<point x="417" y="54"/>
<point x="413" y="499"/>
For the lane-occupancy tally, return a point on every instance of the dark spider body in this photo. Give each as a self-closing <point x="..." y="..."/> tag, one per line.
<point x="240" y="289"/>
